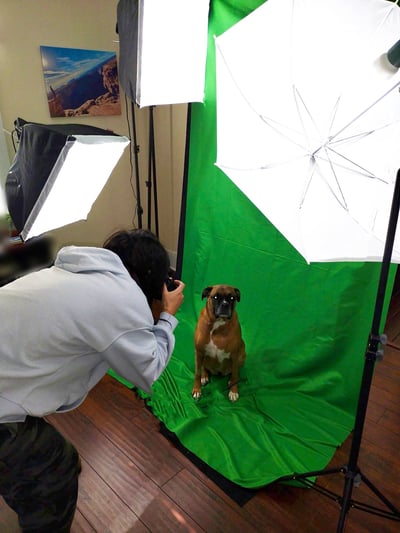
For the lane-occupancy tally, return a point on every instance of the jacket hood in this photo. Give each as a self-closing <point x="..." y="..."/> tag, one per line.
<point x="88" y="258"/>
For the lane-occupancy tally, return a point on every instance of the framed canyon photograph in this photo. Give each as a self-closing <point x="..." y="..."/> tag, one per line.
<point x="80" y="82"/>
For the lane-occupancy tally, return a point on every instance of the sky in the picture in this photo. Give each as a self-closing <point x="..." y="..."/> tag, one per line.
<point x="61" y="65"/>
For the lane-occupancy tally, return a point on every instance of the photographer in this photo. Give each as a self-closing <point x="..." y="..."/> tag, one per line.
<point x="61" y="329"/>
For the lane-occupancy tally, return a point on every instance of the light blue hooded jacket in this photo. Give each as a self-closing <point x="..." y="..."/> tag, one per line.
<point x="63" y="327"/>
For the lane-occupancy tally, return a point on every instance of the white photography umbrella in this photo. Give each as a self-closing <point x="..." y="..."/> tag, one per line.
<point x="308" y="118"/>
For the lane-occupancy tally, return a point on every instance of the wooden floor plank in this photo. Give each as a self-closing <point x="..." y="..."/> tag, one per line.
<point x="165" y="515"/>
<point x="81" y="525"/>
<point x="106" y="459"/>
<point x="144" y="446"/>
<point x="116" y="468"/>
<point x="285" y="509"/>
<point x="209" y="511"/>
<point x="391" y="420"/>
<point x="103" y="509"/>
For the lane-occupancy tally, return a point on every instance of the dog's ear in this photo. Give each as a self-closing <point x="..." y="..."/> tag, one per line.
<point x="206" y="292"/>
<point x="237" y="293"/>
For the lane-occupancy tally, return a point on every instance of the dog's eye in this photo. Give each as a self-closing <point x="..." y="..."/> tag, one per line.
<point x="215" y="297"/>
<point x="232" y="298"/>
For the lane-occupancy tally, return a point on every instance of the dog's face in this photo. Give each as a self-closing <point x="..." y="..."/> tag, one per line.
<point x="221" y="300"/>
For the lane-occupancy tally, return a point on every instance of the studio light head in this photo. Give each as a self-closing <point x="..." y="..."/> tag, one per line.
<point x="57" y="174"/>
<point x="163" y="48"/>
<point x="393" y="55"/>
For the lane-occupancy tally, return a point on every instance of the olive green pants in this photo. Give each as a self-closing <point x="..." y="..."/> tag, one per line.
<point x="38" y="475"/>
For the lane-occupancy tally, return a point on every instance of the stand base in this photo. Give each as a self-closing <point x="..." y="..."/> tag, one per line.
<point x="353" y="479"/>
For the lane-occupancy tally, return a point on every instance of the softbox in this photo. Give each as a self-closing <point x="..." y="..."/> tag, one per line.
<point x="57" y="173"/>
<point x="163" y="48"/>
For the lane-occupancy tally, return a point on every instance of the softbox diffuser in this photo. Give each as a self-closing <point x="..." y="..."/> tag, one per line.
<point x="163" y="49"/>
<point x="57" y="174"/>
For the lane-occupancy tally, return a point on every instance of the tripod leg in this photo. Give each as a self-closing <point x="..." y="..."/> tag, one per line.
<point x="379" y="494"/>
<point x="345" y="503"/>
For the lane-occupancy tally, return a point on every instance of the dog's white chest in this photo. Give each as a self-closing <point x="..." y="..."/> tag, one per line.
<point x="216" y="353"/>
<point x="211" y="349"/>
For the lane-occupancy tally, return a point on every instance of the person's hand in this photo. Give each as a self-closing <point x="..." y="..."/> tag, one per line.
<point x="172" y="300"/>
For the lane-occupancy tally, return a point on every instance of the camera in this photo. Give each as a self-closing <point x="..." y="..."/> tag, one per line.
<point x="170" y="283"/>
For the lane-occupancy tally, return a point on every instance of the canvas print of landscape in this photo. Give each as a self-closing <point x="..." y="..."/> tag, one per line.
<point x="80" y="82"/>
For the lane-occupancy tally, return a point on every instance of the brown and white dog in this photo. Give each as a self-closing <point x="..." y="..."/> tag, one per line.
<point x="219" y="347"/>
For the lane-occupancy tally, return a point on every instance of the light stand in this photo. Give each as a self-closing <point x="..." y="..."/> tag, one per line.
<point x="351" y="471"/>
<point x="182" y="220"/>
<point x="163" y="49"/>
<point x="135" y="148"/>
<point x="151" y="182"/>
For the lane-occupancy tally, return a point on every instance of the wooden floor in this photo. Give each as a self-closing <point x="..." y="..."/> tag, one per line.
<point x="135" y="480"/>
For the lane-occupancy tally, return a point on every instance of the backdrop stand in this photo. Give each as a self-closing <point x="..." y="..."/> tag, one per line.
<point x="351" y="471"/>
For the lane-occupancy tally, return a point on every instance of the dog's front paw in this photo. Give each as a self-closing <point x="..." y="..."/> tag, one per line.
<point x="204" y="379"/>
<point x="233" y="396"/>
<point x="196" y="393"/>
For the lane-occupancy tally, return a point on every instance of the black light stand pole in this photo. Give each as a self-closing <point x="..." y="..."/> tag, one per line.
<point x="155" y="193"/>
<point x="352" y="472"/>
<point x="136" y="154"/>
<point x="182" y="219"/>
<point x="151" y="182"/>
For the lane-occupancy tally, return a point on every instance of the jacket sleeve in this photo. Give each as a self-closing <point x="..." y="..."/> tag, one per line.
<point x="142" y="354"/>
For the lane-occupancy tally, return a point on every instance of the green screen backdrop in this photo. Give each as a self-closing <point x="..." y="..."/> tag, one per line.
<point x="305" y="326"/>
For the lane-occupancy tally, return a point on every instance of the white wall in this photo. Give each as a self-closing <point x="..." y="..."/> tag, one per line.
<point x="88" y="24"/>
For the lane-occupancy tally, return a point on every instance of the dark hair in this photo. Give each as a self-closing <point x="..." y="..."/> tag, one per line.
<point x="144" y="257"/>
